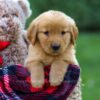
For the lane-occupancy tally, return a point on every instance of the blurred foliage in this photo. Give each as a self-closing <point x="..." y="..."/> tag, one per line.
<point x="88" y="55"/>
<point x="85" y="12"/>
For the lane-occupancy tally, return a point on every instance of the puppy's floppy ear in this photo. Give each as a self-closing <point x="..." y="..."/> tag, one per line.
<point x="74" y="34"/>
<point x="32" y="32"/>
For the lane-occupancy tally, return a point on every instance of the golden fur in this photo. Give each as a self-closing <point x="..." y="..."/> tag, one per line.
<point x="51" y="28"/>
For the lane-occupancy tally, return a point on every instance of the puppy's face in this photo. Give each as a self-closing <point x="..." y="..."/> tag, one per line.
<point x="54" y="36"/>
<point x="54" y="31"/>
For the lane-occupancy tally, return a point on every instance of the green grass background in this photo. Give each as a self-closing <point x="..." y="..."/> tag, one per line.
<point x="88" y="55"/>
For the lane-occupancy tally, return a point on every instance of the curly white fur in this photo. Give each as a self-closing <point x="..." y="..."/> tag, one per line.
<point x="26" y="3"/>
<point x="12" y="27"/>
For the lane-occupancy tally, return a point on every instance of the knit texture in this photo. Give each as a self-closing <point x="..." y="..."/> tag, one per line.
<point x="13" y="15"/>
<point x="15" y="84"/>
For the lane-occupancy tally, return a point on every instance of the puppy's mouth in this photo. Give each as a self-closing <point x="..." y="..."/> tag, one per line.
<point x="55" y="54"/>
<point x="55" y="48"/>
<point x="52" y="52"/>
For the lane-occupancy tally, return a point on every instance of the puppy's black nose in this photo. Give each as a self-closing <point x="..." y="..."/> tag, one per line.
<point x="55" y="47"/>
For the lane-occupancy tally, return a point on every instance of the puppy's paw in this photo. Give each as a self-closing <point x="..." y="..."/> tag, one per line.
<point x="57" y="73"/>
<point x="37" y="83"/>
<point x="55" y="81"/>
<point x="37" y="74"/>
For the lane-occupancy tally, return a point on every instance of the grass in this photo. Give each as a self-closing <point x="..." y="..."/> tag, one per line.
<point x="88" y="54"/>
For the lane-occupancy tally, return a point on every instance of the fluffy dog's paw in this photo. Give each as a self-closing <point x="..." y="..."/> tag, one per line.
<point x="37" y="83"/>
<point x="55" y="81"/>
<point x="57" y="72"/>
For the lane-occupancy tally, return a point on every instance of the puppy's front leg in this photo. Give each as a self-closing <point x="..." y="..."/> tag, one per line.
<point x="57" y="73"/>
<point x="37" y="74"/>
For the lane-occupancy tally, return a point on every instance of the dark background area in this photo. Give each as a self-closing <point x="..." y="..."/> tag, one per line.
<point x="85" y="12"/>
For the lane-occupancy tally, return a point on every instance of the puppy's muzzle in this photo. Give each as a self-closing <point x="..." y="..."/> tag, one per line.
<point x="55" y="47"/>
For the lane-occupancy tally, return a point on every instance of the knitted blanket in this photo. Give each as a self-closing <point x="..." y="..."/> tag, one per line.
<point x="15" y="84"/>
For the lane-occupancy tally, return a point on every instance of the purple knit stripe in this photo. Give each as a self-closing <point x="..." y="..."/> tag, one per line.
<point x="8" y="90"/>
<point x="18" y="87"/>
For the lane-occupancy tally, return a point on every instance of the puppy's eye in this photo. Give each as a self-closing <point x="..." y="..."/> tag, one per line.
<point x="63" y="32"/>
<point x="46" y="33"/>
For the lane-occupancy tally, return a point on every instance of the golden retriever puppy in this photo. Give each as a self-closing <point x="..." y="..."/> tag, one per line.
<point x="52" y="37"/>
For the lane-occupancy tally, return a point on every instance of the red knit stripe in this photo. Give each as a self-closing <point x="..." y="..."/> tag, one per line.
<point x="4" y="44"/>
<point x="1" y="60"/>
